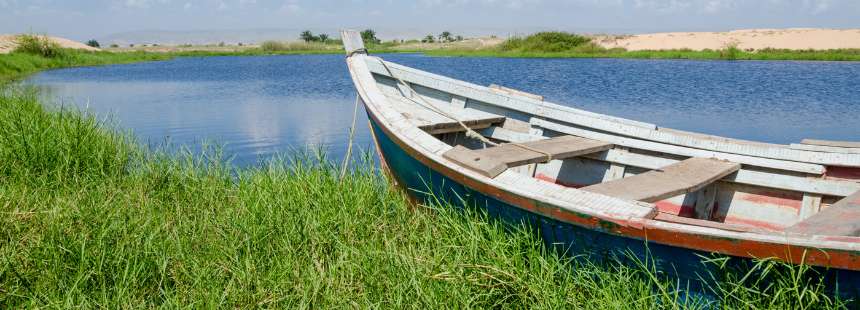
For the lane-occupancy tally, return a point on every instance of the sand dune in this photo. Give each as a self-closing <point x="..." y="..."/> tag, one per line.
<point x="797" y="38"/>
<point x="9" y="42"/>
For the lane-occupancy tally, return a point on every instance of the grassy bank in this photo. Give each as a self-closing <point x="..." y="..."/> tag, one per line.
<point x="17" y="65"/>
<point x="92" y="219"/>
<point x="566" y="45"/>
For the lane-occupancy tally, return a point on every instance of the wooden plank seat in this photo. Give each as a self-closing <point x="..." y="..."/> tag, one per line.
<point x="493" y="161"/>
<point x="840" y="219"/>
<point x="436" y="123"/>
<point x="680" y="178"/>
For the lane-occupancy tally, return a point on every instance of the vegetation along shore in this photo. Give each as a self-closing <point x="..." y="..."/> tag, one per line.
<point x="92" y="218"/>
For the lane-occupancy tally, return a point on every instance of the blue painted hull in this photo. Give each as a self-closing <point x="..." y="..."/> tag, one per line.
<point x="599" y="246"/>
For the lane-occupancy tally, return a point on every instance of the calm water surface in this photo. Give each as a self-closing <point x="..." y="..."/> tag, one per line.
<point x="258" y="106"/>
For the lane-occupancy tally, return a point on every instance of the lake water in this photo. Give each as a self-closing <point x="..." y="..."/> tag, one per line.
<point x="258" y="106"/>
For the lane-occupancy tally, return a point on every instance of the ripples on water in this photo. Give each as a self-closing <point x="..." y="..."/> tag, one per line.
<point x="258" y="106"/>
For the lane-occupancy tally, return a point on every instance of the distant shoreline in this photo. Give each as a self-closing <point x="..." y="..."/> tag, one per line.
<point x="754" y="44"/>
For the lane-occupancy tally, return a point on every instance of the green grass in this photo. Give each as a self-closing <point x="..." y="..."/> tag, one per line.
<point x="545" y="42"/>
<point x="92" y="219"/>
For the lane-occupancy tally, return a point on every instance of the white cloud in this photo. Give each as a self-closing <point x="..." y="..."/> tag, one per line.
<point x="291" y="7"/>
<point x="817" y="6"/>
<point x="187" y="6"/>
<point x="143" y="4"/>
<point x="509" y="4"/>
<point x="662" y="6"/>
<point x="716" y="6"/>
<point x="140" y="4"/>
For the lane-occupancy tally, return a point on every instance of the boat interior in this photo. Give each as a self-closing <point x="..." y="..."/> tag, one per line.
<point x="809" y="188"/>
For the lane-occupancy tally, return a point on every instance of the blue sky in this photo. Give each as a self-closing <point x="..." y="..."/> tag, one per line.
<point x="81" y="19"/>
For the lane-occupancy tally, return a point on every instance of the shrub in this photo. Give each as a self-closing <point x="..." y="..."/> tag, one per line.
<point x="93" y="43"/>
<point x="546" y="42"/>
<point x="730" y="51"/>
<point x="38" y="45"/>
<point x="369" y="37"/>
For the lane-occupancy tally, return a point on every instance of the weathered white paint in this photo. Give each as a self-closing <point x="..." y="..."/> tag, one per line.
<point x="822" y="148"/>
<point x="810" y="205"/>
<point x="845" y="144"/>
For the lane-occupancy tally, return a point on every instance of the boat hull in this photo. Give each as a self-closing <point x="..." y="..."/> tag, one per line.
<point x="426" y="181"/>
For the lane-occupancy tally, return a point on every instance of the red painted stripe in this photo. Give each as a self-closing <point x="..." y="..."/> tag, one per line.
<point x="751" y="222"/>
<point x="666" y="206"/>
<point x="852" y="173"/>
<point x="781" y="199"/>
<point x="544" y="177"/>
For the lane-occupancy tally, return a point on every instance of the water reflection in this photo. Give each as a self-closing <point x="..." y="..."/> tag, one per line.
<point x="258" y="106"/>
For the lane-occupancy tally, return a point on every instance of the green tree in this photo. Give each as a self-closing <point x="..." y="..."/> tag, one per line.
<point x="369" y="37"/>
<point x="459" y="38"/>
<point x="445" y="37"/>
<point x="307" y="36"/>
<point x="323" y="37"/>
<point x="429" y="39"/>
<point x="93" y="43"/>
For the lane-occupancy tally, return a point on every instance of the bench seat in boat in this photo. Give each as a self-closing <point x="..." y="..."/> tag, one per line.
<point x="680" y="178"/>
<point x="493" y="161"/>
<point x="435" y="123"/>
<point x="840" y="219"/>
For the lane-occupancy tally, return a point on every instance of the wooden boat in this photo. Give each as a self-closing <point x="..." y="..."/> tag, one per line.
<point x="592" y="183"/>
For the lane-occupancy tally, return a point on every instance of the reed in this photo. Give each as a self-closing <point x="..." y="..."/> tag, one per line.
<point x="278" y="46"/>
<point x="92" y="219"/>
